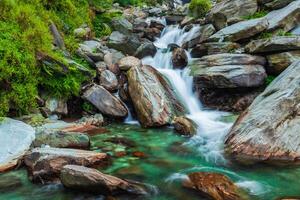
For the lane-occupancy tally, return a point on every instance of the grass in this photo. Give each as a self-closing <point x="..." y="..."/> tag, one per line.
<point x="199" y="8"/>
<point x="256" y="15"/>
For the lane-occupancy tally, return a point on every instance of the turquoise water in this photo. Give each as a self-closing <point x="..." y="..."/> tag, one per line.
<point x="159" y="158"/>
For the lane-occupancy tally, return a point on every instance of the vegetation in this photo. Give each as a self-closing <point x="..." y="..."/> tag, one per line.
<point x="280" y="32"/>
<point x="199" y="8"/>
<point x="256" y="15"/>
<point x="270" y="79"/>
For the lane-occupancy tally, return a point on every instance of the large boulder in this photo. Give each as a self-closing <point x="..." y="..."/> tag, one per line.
<point x="212" y="185"/>
<point x="109" y="80"/>
<point x="210" y="48"/>
<point x="122" y="25"/>
<point x="286" y="18"/>
<point x="153" y="99"/>
<point x="274" y="44"/>
<point x="125" y="44"/>
<point x="185" y="126"/>
<point x="45" y="164"/>
<point x="146" y="49"/>
<point x="16" y="138"/>
<point x="280" y="61"/>
<point x="62" y="139"/>
<point x="91" y="180"/>
<point x="202" y="34"/>
<point x="228" y="11"/>
<point x="126" y="63"/>
<point x="268" y="131"/>
<point x="179" y="58"/>
<point x="106" y="103"/>
<point x="241" y="30"/>
<point x="274" y="4"/>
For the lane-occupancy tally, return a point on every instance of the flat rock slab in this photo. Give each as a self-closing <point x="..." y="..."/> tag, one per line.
<point x="91" y="180"/>
<point x="275" y="44"/>
<point x="280" y="61"/>
<point x="268" y="131"/>
<point x="241" y="30"/>
<point x="16" y="138"/>
<point x="45" y="164"/>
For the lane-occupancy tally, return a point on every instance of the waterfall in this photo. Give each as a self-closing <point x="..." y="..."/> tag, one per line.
<point x="211" y="131"/>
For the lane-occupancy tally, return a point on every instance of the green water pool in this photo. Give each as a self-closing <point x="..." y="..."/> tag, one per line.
<point x="159" y="158"/>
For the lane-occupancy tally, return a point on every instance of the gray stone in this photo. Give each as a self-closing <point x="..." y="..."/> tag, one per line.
<point x="146" y="49"/>
<point x="268" y="131"/>
<point x="125" y="44"/>
<point x="109" y="80"/>
<point x="202" y="35"/>
<point x="274" y="4"/>
<point x="211" y="48"/>
<point x="106" y="103"/>
<point x="122" y="25"/>
<point x="279" y="62"/>
<point x="57" y="106"/>
<point x="127" y="62"/>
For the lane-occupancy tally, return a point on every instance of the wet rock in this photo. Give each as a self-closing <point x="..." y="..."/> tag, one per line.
<point x="61" y="139"/>
<point x="274" y="44"/>
<point x="226" y="11"/>
<point x="179" y="58"/>
<point x="16" y="138"/>
<point x="105" y="102"/>
<point x="57" y="106"/>
<point x="45" y="164"/>
<point x="200" y="36"/>
<point x="153" y="99"/>
<point x="174" y="19"/>
<point x="212" y="185"/>
<point x="268" y="130"/>
<point x="240" y="31"/>
<point x="214" y="48"/>
<point x="91" y="180"/>
<point x="109" y="80"/>
<point x="125" y="44"/>
<point x="286" y="18"/>
<point x="122" y="25"/>
<point x="156" y="24"/>
<point x="146" y="49"/>
<point x="139" y="25"/>
<point x="95" y="120"/>
<point x="279" y="62"/>
<point x="126" y="63"/>
<point x="122" y="141"/>
<point x="152" y="33"/>
<point x="185" y="126"/>
<point x="274" y="4"/>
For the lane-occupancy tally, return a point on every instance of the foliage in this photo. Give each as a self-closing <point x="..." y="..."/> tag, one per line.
<point x="102" y="21"/>
<point x="199" y="8"/>
<point x="256" y="15"/>
<point x="270" y="79"/>
<point x="280" y="32"/>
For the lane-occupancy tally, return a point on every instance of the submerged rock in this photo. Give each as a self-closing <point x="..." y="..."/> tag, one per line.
<point x="45" y="164"/>
<point x="241" y="30"/>
<point x="106" y="103"/>
<point x="16" y="138"/>
<point x="268" y="131"/>
<point x="179" y="58"/>
<point x="212" y="185"/>
<point x="62" y="139"/>
<point x="185" y="126"/>
<point x="228" y="11"/>
<point x="91" y="180"/>
<point x="274" y="44"/>
<point x="153" y="99"/>
<point x="9" y="183"/>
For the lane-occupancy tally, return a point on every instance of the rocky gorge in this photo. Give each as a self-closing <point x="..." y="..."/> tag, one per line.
<point x="174" y="106"/>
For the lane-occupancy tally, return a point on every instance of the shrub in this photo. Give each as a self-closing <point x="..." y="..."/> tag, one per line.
<point x="199" y="8"/>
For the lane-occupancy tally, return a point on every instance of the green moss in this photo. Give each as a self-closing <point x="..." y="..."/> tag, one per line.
<point x="270" y="79"/>
<point x="199" y="8"/>
<point x="256" y="15"/>
<point x="102" y="22"/>
<point x="279" y="32"/>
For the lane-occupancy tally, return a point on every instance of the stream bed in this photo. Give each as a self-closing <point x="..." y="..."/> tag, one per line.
<point x="159" y="158"/>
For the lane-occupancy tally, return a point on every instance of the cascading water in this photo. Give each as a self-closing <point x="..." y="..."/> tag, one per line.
<point x="211" y="131"/>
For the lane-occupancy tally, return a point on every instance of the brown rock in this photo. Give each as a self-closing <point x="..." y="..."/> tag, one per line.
<point x="179" y="58"/>
<point x="185" y="126"/>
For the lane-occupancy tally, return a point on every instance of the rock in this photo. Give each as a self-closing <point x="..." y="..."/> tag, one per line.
<point x="100" y="66"/>
<point x="152" y="33"/>
<point x="95" y="120"/>
<point x="139" y="25"/>
<point x="214" y="48"/>
<point x="113" y="58"/>
<point x="268" y="130"/>
<point x="114" y="68"/>
<point x="185" y="126"/>
<point x="45" y="164"/>
<point x="174" y="19"/>
<point x="157" y="24"/>
<point x="91" y="180"/>
<point x="155" y="11"/>
<point x="91" y="51"/>
<point x="58" y="41"/>
<point x="279" y="62"/>
<point x="122" y="25"/>
<point x="230" y="76"/>
<point x="125" y="44"/>
<point x="274" y="44"/>
<point x="179" y="58"/>
<point x="127" y="62"/>
<point x="61" y="139"/>
<point x="226" y="11"/>
<point x="212" y="185"/>
<point x="16" y="138"/>
<point x="105" y="102"/>
<point x="227" y="99"/>
<point x="274" y="4"/>
<point x="286" y="18"/>
<point x="200" y="36"/>
<point x="146" y="49"/>
<point x="109" y="80"/>
<point x="83" y="33"/>
<point x="153" y="99"/>
<point x="240" y="31"/>
<point x="57" y="106"/>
